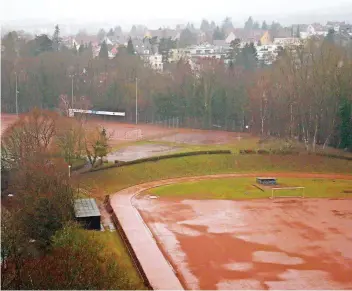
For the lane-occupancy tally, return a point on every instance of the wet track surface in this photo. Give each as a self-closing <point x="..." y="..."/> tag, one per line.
<point x="261" y="244"/>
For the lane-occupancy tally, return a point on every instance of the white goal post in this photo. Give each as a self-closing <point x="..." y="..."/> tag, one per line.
<point x="287" y="192"/>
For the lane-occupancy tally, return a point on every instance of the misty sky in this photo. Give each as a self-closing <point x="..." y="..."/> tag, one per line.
<point x="142" y="11"/>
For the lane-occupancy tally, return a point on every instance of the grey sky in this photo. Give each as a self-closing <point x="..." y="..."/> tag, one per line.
<point x="126" y="12"/>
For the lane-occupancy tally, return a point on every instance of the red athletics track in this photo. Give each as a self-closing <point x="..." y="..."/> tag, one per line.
<point x="260" y="244"/>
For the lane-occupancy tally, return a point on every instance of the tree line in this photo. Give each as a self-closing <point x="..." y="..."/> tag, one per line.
<point x="304" y="94"/>
<point x="41" y="245"/>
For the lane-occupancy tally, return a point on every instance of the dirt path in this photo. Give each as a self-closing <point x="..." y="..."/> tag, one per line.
<point x="158" y="270"/>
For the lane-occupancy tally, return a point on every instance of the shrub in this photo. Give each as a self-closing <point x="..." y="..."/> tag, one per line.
<point x="247" y="151"/>
<point x="263" y="152"/>
<point x="78" y="260"/>
<point x="335" y="156"/>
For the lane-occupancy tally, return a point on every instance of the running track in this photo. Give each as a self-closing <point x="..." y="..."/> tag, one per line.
<point x="157" y="269"/>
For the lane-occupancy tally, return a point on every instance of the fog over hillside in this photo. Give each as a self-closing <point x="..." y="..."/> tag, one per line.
<point x="69" y="24"/>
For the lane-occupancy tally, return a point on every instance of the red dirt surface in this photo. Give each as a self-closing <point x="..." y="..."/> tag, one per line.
<point x="7" y="120"/>
<point x="260" y="244"/>
<point x="154" y="132"/>
<point x="118" y="130"/>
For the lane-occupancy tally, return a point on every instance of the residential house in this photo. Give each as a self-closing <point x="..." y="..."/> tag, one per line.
<point x="70" y="42"/>
<point x="163" y="33"/>
<point x="267" y="54"/>
<point x="177" y="54"/>
<point x="299" y="29"/>
<point x="113" y="52"/>
<point x="220" y="43"/>
<point x="86" y="39"/>
<point x="207" y="51"/>
<point x="142" y="47"/>
<point x="266" y="38"/>
<point x="346" y="28"/>
<point x="306" y="31"/>
<point x="248" y="36"/>
<point x="335" y="25"/>
<point x="286" y="41"/>
<point x="230" y="37"/>
<point x="108" y="41"/>
<point x="155" y="61"/>
<point x="320" y="29"/>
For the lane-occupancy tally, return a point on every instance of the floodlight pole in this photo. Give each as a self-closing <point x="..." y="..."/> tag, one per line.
<point x="16" y="94"/>
<point x="136" y="100"/>
<point x="72" y="91"/>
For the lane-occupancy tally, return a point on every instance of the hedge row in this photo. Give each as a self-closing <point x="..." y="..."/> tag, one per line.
<point x="335" y="156"/>
<point x="291" y="152"/>
<point x="158" y="158"/>
<point x="268" y="152"/>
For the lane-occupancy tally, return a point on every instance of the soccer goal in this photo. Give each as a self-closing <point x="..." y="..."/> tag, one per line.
<point x="133" y="134"/>
<point x="287" y="192"/>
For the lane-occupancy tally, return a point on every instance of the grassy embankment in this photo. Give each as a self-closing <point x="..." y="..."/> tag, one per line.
<point x="106" y="182"/>
<point x="101" y="183"/>
<point x="115" y="244"/>
<point x="243" y="188"/>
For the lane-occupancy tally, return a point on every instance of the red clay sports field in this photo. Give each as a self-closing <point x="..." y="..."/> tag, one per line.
<point x="227" y="244"/>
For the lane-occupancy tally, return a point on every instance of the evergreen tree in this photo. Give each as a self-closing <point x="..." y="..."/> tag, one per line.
<point x="118" y="31"/>
<point x="249" y="23"/>
<point x="111" y="32"/>
<point x="274" y="29"/>
<point x="264" y="25"/>
<point x="187" y="38"/>
<point x="81" y="49"/>
<point x="345" y="128"/>
<point x="130" y="48"/>
<point x="101" y="34"/>
<point x="298" y="33"/>
<point x="218" y="34"/>
<point x="212" y="25"/>
<point x="165" y="45"/>
<point x="9" y="43"/>
<point x="247" y="58"/>
<point x="205" y="26"/>
<point x="235" y="49"/>
<point x="227" y="25"/>
<point x="256" y="25"/>
<point x="43" y="44"/>
<point x="74" y="49"/>
<point x="56" y="39"/>
<point x="133" y="30"/>
<point x="104" y="52"/>
<point x="330" y="37"/>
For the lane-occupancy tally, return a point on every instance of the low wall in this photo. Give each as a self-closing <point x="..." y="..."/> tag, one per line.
<point x="133" y="256"/>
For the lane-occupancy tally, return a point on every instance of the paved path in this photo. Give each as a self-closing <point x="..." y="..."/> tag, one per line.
<point x="157" y="269"/>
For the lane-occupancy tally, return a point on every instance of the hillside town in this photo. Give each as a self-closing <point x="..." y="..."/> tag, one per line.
<point x="210" y="41"/>
<point x="209" y="155"/>
<point x="157" y="47"/>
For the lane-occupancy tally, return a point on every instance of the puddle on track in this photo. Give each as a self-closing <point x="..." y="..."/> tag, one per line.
<point x="254" y="244"/>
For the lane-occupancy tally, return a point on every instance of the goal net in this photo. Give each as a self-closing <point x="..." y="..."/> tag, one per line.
<point x="133" y="134"/>
<point x="288" y="192"/>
